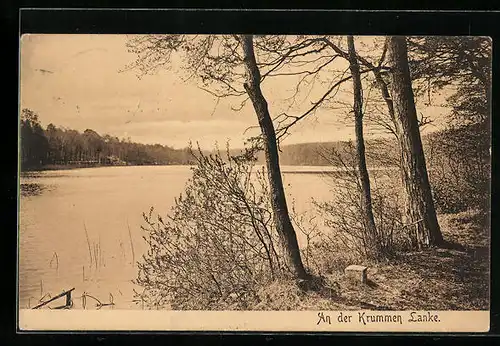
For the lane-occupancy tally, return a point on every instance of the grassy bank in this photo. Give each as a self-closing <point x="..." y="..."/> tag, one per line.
<point x="455" y="278"/>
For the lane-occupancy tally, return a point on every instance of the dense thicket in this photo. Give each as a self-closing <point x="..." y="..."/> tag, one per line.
<point x="460" y="167"/>
<point x="460" y="155"/>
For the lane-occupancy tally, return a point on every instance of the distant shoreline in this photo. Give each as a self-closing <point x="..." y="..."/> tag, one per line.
<point x="304" y="169"/>
<point x="70" y="167"/>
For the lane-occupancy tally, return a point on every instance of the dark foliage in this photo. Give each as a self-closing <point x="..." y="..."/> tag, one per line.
<point x="59" y="146"/>
<point x="460" y="168"/>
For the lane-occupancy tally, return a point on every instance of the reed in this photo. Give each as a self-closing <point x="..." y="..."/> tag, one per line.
<point x="131" y="242"/>
<point x="88" y="243"/>
<point x="95" y="251"/>
<point x="122" y="251"/>
<point x="98" y="258"/>
<point x="55" y="258"/>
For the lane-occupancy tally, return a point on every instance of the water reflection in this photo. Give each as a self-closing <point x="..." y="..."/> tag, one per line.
<point x="33" y="189"/>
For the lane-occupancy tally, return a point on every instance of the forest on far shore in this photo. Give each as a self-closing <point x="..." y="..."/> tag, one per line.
<point x="43" y="148"/>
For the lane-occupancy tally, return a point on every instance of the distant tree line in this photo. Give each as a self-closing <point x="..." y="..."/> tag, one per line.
<point x="312" y="154"/>
<point x="58" y="146"/>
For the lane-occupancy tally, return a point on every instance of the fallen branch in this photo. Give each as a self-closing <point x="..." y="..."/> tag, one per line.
<point x="65" y="293"/>
<point x="99" y="304"/>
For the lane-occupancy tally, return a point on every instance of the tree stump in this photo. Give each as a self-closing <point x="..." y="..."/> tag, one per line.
<point x="356" y="273"/>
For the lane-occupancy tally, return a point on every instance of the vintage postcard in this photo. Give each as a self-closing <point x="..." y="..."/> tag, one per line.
<point x="316" y="183"/>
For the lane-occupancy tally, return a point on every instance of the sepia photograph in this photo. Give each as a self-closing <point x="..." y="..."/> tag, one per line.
<point x="254" y="182"/>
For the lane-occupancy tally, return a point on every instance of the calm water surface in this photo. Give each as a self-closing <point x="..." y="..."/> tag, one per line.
<point x="72" y="213"/>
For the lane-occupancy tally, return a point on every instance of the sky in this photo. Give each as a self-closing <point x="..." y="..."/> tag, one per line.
<point x="78" y="82"/>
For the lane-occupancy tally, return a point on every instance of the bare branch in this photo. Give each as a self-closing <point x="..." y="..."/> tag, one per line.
<point x="284" y="130"/>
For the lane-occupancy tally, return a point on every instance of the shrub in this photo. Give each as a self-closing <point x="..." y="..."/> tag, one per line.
<point x="344" y="214"/>
<point x="218" y="247"/>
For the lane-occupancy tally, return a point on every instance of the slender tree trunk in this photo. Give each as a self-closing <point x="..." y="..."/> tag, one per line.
<point x="280" y="210"/>
<point x="366" y="198"/>
<point x="421" y="217"/>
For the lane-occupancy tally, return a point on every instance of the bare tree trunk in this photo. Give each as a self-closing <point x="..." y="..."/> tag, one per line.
<point x="366" y="198"/>
<point x="421" y="217"/>
<point x="281" y="217"/>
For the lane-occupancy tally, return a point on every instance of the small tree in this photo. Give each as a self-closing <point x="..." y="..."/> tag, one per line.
<point x="364" y="178"/>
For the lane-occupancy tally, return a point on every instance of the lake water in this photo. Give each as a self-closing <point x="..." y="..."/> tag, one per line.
<point x="72" y="214"/>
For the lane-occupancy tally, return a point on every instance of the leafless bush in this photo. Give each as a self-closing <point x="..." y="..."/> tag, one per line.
<point x="306" y="225"/>
<point x="320" y="253"/>
<point x="217" y="247"/>
<point x="343" y="214"/>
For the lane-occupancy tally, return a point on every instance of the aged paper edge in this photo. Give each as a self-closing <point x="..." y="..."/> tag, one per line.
<point x="265" y="321"/>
